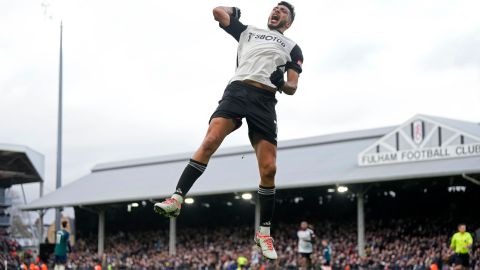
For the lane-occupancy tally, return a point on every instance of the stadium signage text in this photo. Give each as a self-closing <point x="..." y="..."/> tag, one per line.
<point x="412" y="155"/>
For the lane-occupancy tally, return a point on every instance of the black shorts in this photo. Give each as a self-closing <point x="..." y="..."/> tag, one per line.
<point x="60" y="259"/>
<point x="241" y="100"/>
<point x="306" y="255"/>
<point x="462" y="259"/>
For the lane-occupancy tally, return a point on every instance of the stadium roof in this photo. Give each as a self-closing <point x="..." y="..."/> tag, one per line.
<point x="20" y="165"/>
<point x="343" y="158"/>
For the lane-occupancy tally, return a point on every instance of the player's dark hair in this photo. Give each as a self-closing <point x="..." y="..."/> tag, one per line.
<point x="290" y="7"/>
<point x="461" y="224"/>
<point x="64" y="224"/>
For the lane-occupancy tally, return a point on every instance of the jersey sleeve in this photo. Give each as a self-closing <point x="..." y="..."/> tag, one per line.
<point x="235" y="28"/>
<point x="452" y="241"/>
<point x="470" y="239"/>
<point x="297" y="60"/>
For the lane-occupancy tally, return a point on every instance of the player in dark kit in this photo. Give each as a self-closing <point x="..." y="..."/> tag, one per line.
<point x="62" y="246"/>
<point x="263" y="56"/>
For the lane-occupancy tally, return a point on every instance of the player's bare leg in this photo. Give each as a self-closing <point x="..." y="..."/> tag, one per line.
<point x="218" y="129"/>
<point x="266" y="153"/>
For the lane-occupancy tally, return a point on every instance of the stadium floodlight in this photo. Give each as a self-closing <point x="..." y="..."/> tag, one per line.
<point x="457" y="188"/>
<point x="189" y="200"/>
<point x="135" y="204"/>
<point x="331" y="190"/>
<point x="247" y="196"/>
<point x="297" y="199"/>
<point x="342" y="189"/>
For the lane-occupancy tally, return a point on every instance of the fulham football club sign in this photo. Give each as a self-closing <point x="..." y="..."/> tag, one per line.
<point x="422" y="138"/>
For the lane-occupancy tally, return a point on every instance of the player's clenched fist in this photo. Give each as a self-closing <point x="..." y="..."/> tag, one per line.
<point x="277" y="78"/>
<point x="236" y="13"/>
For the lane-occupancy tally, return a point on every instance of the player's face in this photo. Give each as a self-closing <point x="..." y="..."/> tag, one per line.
<point x="462" y="228"/>
<point x="304" y="225"/>
<point x="279" y="17"/>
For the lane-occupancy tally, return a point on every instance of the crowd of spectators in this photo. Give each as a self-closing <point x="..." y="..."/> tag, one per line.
<point x="8" y="250"/>
<point x="397" y="244"/>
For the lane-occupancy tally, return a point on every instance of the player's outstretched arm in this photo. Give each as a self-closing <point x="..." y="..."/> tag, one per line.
<point x="222" y="14"/>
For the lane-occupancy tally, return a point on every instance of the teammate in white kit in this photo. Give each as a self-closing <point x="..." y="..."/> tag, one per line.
<point x="306" y="237"/>
<point x="263" y="56"/>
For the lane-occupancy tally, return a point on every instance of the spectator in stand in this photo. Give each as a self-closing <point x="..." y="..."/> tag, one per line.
<point x="212" y="261"/>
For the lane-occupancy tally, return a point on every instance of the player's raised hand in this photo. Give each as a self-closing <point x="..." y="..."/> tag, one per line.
<point x="236" y="12"/>
<point x="277" y="78"/>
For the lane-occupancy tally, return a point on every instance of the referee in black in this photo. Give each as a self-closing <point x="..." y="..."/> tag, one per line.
<point x="263" y="56"/>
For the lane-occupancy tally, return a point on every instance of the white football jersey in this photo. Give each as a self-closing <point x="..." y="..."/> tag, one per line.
<point x="261" y="51"/>
<point x="305" y="238"/>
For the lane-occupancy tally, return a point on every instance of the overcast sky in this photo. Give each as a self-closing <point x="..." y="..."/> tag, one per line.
<point x="141" y="78"/>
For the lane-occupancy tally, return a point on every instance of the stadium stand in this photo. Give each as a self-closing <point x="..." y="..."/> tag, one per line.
<point x="393" y="244"/>
<point x="8" y="251"/>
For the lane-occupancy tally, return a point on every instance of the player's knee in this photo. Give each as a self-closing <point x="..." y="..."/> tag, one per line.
<point x="268" y="171"/>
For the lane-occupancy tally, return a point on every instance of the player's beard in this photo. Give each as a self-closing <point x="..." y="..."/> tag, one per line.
<point x="277" y="27"/>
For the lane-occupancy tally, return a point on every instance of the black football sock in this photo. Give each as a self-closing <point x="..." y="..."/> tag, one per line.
<point x="266" y="198"/>
<point x="190" y="174"/>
